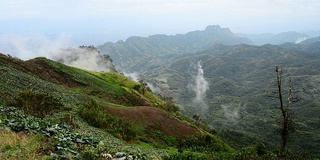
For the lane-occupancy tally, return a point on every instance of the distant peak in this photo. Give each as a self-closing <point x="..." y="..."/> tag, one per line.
<point x="215" y="28"/>
<point x="212" y="27"/>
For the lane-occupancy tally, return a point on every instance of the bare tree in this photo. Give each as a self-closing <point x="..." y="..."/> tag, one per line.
<point x="286" y="124"/>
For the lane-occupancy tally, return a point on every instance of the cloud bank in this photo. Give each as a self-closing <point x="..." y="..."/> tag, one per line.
<point x="86" y="57"/>
<point x="29" y="46"/>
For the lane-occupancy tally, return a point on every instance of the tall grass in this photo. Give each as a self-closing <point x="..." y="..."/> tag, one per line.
<point x="20" y="145"/>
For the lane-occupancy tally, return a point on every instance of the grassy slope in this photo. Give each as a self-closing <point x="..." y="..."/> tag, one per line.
<point x="75" y="86"/>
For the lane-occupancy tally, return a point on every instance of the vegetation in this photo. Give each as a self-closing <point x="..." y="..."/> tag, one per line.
<point x="74" y="111"/>
<point x="111" y="113"/>
<point x="65" y="143"/>
<point x="97" y="117"/>
<point x="21" y="146"/>
<point x="37" y="103"/>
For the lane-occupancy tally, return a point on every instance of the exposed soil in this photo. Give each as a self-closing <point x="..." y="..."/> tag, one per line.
<point x="40" y="68"/>
<point x="155" y="118"/>
<point x="44" y="71"/>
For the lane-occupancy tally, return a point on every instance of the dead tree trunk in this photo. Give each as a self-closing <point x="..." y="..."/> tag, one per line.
<point x="285" y="110"/>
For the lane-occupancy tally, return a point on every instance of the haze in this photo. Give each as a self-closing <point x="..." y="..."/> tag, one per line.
<point x="97" y="21"/>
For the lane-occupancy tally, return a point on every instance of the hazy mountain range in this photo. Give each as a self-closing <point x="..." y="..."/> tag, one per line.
<point x="239" y="74"/>
<point x="157" y="49"/>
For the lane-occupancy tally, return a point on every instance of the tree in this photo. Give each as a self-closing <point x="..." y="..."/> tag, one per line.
<point x="286" y="124"/>
<point x="197" y="118"/>
<point x="170" y="106"/>
<point x="144" y="86"/>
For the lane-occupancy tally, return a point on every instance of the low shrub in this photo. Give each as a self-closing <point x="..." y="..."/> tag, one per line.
<point x="186" y="156"/>
<point x="202" y="143"/>
<point x="36" y="103"/>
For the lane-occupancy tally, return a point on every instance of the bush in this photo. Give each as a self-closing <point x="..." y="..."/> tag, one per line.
<point x="203" y="143"/>
<point x="36" y="103"/>
<point x="186" y="156"/>
<point x="96" y="116"/>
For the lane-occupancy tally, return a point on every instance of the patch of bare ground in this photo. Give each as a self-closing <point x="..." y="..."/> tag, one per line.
<point x="40" y="68"/>
<point x="154" y="118"/>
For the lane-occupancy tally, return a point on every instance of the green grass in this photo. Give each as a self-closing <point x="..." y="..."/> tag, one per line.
<point x="128" y="85"/>
<point x="111" y="83"/>
<point x="21" y="146"/>
<point x="88" y="78"/>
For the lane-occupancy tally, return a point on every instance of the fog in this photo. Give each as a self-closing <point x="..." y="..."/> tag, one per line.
<point x="83" y="57"/>
<point x="29" y="46"/>
<point x="199" y="87"/>
<point x="93" y="22"/>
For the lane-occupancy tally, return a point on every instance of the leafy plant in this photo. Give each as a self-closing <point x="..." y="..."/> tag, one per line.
<point x="65" y="141"/>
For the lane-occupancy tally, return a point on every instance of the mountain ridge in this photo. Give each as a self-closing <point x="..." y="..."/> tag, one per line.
<point x="127" y="54"/>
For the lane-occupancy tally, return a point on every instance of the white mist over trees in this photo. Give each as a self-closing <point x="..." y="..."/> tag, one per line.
<point x="200" y="88"/>
<point x="86" y="57"/>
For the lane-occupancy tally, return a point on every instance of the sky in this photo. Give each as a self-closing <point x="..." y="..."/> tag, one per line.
<point x="98" y="21"/>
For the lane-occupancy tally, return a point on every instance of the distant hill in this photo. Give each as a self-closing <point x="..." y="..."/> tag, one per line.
<point x="275" y="39"/>
<point x="311" y="45"/>
<point x="240" y="78"/>
<point x="133" y="53"/>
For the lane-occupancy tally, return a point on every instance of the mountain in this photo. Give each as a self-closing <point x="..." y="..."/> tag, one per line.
<point x="133" y="53"/>
<point x="311" y="45"/>
<point x="228" y="83"/>
<point x="275" y="39"/>
<point x="76" y="113"/>
<point x="240" y="79"/>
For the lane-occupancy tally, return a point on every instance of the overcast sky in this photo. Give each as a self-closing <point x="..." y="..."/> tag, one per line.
<point x="119" y="19"/>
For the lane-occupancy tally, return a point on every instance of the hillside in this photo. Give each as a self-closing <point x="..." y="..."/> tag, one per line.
<point x="133" y="53"/>
<point x="236" y="102"/>
<point x="106" y="105"/>
<point x="311" y="45"/>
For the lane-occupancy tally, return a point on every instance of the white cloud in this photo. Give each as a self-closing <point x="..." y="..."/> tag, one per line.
<point x="32" y="45"/>
<point x="162" y="15"/>
<point x="60" y="8"/>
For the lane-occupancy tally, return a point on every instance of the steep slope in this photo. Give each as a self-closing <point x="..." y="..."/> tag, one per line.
<point x="144" y="53"/>
<point x="107" y="101"/>
<point x="240" y="79"/>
